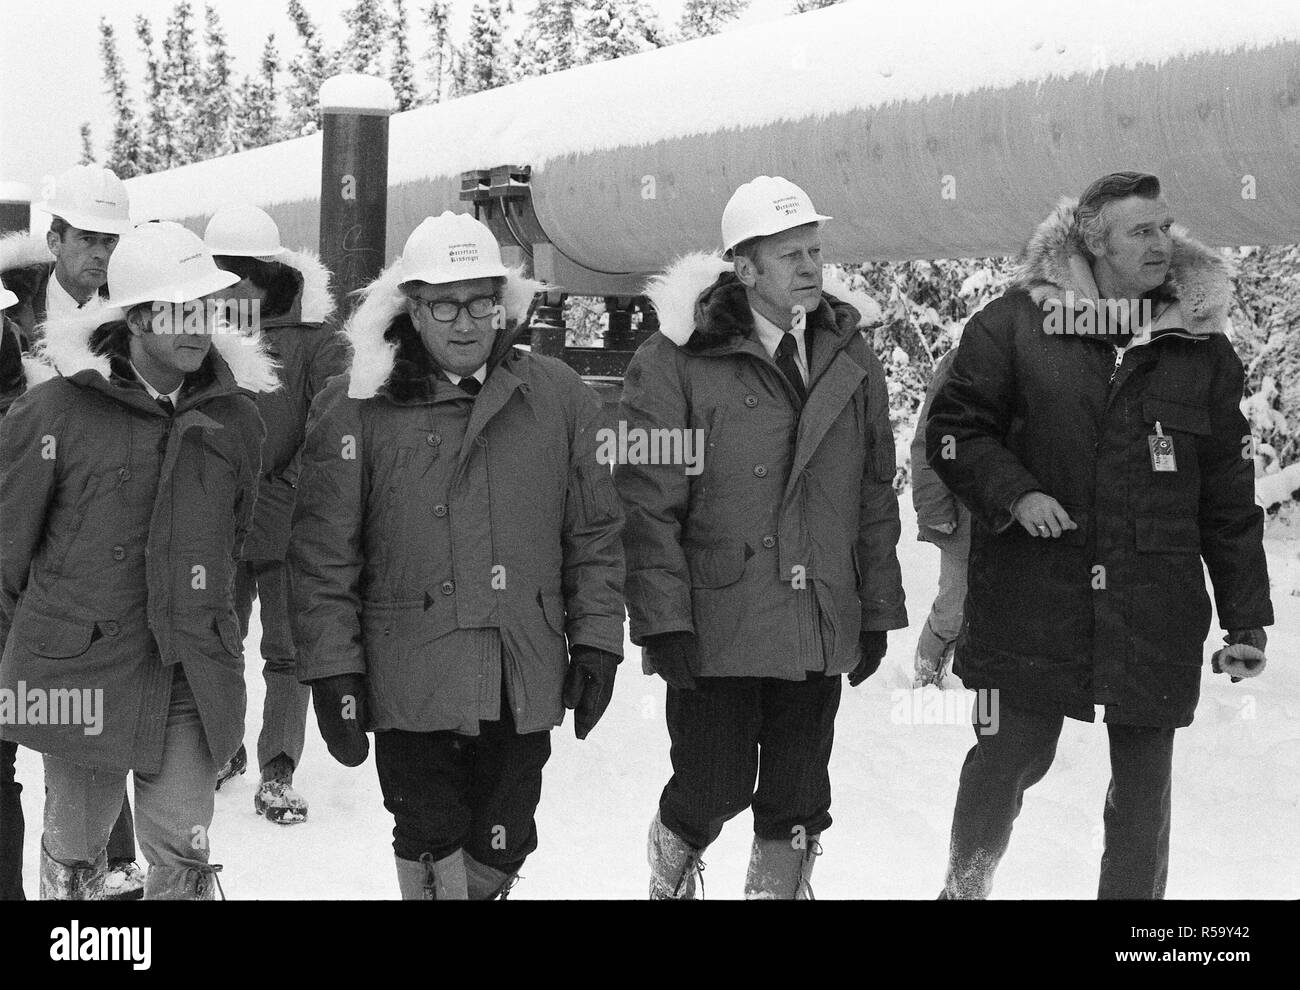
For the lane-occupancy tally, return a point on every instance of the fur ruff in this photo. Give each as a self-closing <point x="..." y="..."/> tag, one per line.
<point x="317" y="303"/>
<point x="21" y="250"/>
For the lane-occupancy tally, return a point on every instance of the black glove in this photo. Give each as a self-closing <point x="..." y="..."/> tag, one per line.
<point x="1225" y="661"/>
<point x="588" y="686"/>
<point x="340" y="703"/>
<point x="672" y="656"/>
<point x="874" y="645"/>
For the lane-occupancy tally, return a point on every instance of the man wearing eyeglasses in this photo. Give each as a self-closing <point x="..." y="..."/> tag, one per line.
<point x="455" y="564"/>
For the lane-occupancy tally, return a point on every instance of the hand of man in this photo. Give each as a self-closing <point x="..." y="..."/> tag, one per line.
<point x="588" y="686"/>
<point x="673" y="655"/>
<point x="1243" y="656"/>
<point x="340" y="703"/>
<point x="1041" y="515"/>
<point x="874" y="645"/>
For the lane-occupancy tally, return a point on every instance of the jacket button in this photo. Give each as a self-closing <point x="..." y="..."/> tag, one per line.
<point x="751" y="401"/>
<point x="760" y="471"/>
<point x="433" y="439"/>
<point x="481" y="441"/>
<point x="124" y="474"/>
<point x="439" y="510"/>
<point x="769" y="542"/>
<point x="119" y="553"/>
<point x="449" y="587"/>
<point x="110" y="628"/>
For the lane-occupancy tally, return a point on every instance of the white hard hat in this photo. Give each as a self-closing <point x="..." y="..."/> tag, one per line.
<point x="163" y="262"/>
<point x="450" y="248"/>
<point x="7" y="298"/>
<point x="765" y="205"/>
<point x="90" y="198"/>
<point x="244" y="232"/>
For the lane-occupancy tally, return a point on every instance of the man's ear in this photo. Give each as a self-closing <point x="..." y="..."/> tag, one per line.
<point x="54" y="242"/>
<point x="746" y="271"/>
<point x="137" y="321"/>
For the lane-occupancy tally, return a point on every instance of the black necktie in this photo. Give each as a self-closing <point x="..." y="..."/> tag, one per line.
<point x="785" y="360"/>
<point x="165" y="404"/>
<point x="470" y="385"/>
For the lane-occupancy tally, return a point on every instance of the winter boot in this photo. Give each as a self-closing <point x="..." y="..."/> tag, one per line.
<point x="485" y="883"/>
<point x="183" y="883"/>
<point x="12" y="831"/>
<point x="276" y="798"/>
<point x="780" y="869"/>
<point x="124" y="881"/>
<point x="61" y="882"/>
<point x="236" y="765"/>
<point x="674" y="865"/>
<point x="427" y="880"/>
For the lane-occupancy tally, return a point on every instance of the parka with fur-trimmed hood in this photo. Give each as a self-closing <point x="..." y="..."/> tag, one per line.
<point x="26" y="266"/>
<point x="1115" y="612"/>
<point x="440" y="543"/>
<point x="779" y="546"/>
<point x="121" y="527"/>
<point x="304" y="341"/>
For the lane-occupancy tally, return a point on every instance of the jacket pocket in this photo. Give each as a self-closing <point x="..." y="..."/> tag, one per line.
<point x="1165" y="534"/>
<point x="716" y="566"/>
<point x="58" y="638"/>
<point x="553" y="609"/>
<point x="1178" y="416"/>
<point x="599" y="499"/>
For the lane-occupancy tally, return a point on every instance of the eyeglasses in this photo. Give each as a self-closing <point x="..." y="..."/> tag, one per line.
<point x="448" y="310"/>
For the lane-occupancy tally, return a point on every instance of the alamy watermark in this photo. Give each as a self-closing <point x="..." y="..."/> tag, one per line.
<point x="207" y="316"/>
<point x="637" y="445"/>
<point x="979" y="708"/>
<point x="1080" y="316"/>
<point x="53" y="706"/>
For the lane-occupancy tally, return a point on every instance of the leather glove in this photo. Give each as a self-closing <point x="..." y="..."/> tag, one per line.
<point x="1243" y="656"/>
<point x="588" y="686"/>
<point x="340" y="703"/>
<point x="672" y="656"/>
<point x="874" y="645"/>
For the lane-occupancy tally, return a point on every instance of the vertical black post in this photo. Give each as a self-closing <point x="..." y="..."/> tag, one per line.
<point x="354" y="182"/>
<point x="15" y="207"/>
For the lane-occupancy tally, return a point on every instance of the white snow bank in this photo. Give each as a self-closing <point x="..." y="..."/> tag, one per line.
<point x="851" y="56"/>
<point x="15" y="192"/>
<point x="1275" y="488"/>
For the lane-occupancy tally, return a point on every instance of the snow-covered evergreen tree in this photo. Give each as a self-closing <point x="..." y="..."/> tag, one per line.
<point x="483" y="62"/>
<point x="615" y="28"/>
<point x="402" y="73"/>
<point x="439" y="54"/>
<point x="701" y="18"/>
<point x="87" y="148"/>
<point x="309" y="68"/>
<point x="125" y="147"/>
<point x="181" y="83"/>
<point x="157" y="147"/>
<point x="550" y="41"/>
<point x="215" y="111"/>
<point x="367" y="30"/>
<point x="257" y="121"/>
<point x="803" y="6"/>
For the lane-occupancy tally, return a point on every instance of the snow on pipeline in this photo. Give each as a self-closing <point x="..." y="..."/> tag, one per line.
<point x="847" y="57"/>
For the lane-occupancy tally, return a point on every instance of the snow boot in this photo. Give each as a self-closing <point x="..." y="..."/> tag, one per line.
<point x="427" y="880"/>
<point x="781" y="870"/>
<point x="61" y="882"/>
<point x="183" y="883"/>
<point x="486" y="883"/>
<point x="236" y="765"/>
<point x="12" y="831"/>
<point x="674" y="865"/>
<point x="124" y="881"/>
<point x="276" y="798"/>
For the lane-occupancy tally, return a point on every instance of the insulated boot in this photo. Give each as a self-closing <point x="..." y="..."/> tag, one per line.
<point x="276" y="797"/>
<point x="427" y="880"/>
<point x="236" y="765"/>
<point x="61" y="882"/>
<point x="183" y="883"/>
<point x="486" y="883"/>
<point x="124" y="881"/>
<point x="674" y="865"/>
<point x="780" y="869"/>
<point x="12" y="831"/>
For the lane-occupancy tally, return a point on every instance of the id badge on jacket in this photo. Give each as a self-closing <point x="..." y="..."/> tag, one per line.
<point x="1162" y="451"/>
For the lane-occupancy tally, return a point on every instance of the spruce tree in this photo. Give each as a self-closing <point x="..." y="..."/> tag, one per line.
<point x="308" y="69"/>
<point x="550" y="42"/>
<point x="181" y="84"/>
<point x="615" y="28"/>
<point x="257" y="122"/>
<point x="483" y="63"/>
<point x="439" y="54"/>
<point x="87" y="148"/>
<point x="367" y="28"/>
<point x="701" y="18"/>
<point x="125" y="147"/>
<point x="157" y="147"/>
<point x="402" y="74"/>
<point x="215" y="104"/>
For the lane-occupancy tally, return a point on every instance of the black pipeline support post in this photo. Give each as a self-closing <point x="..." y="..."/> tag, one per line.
<point x="354" y="182"/>
<point x="15" y="207"/>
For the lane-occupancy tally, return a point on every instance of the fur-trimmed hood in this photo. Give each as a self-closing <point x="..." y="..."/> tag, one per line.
<point x="21" y="250"/>
<point x="1055" y="271"/>
<point x="314" y="304"/>
<point x="382" y="301"/>
<point x="700" y="302"/>
<point x="66" y="346"/>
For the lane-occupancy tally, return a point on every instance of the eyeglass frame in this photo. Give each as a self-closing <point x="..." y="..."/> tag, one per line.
<point x="428" y="304"/>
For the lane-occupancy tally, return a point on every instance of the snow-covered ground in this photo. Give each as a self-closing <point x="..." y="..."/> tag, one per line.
<point x="1236" y="812"/>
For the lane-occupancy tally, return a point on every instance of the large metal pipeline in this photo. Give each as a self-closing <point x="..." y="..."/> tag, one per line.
<point x="915" y="157"/>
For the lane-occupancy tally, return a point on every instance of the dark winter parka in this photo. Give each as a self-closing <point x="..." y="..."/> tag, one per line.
<point x="26" y="266"/>
<point x="1115" y="612"/>
<point x="119" y="528"/>
<point x="309" y="350"/>
<point x="436" y="540"/>
<point x="935" y="505"/>
<point x="782" y="548"/>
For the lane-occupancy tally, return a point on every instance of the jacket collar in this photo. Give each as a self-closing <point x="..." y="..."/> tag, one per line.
<point x="312" y="303"/>
<point x="1193" y="301"/>
<point x="376" y="332"/>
